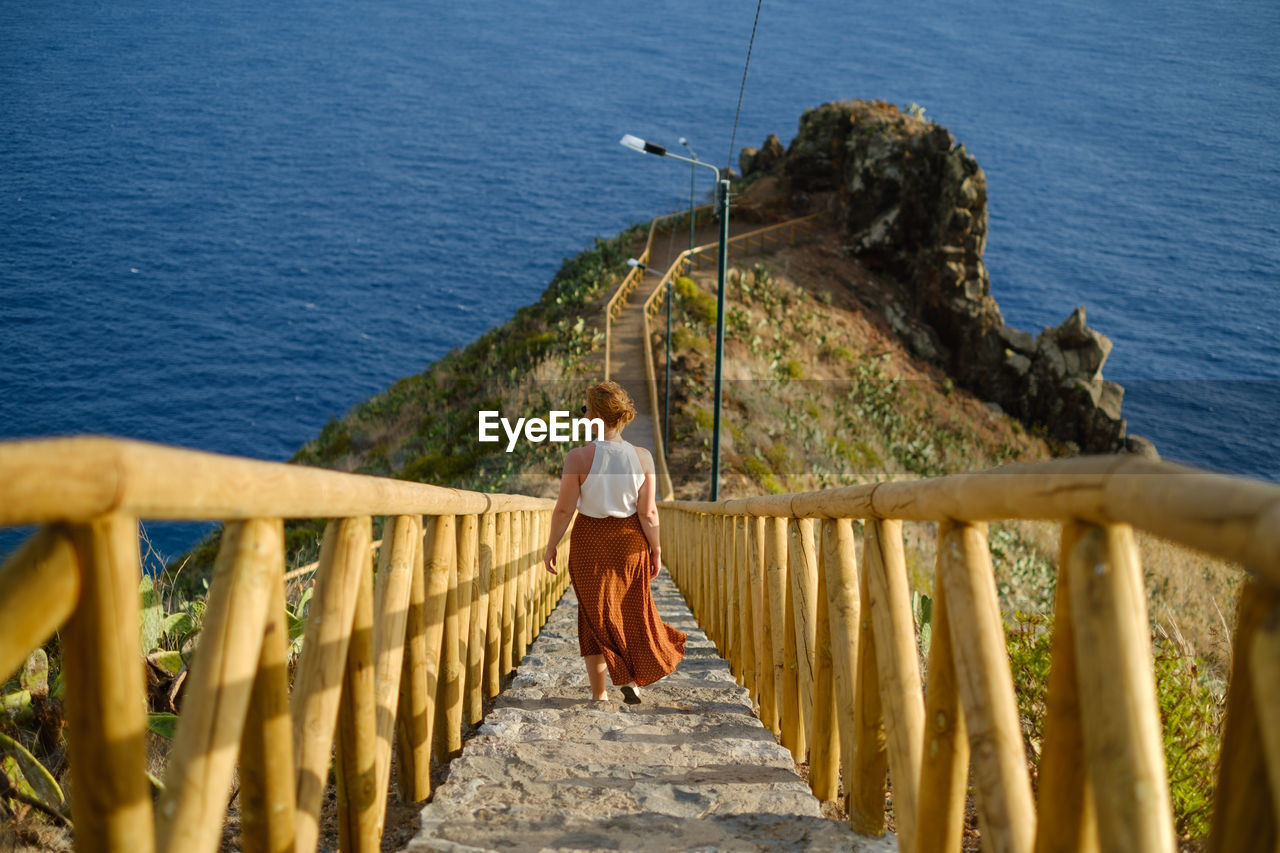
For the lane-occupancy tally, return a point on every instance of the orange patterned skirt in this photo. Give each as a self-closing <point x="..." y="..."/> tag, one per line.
<point x="609" y="566"/>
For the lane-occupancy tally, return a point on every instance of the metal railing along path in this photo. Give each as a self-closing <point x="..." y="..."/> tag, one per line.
<point x="395" y="655"/>
<point x="825" y="641"/>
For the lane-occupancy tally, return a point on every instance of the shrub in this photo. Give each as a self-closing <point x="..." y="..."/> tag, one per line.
<point x="1190" y="714"/>
<point x="699" y="305"/>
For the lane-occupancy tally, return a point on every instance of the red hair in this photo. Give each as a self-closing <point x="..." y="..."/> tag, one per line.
<point x="610" y="402"/>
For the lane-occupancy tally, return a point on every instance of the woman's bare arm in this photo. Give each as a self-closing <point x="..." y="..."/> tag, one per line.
<point x="647" y="509"/>
<point x="577" y="464"/>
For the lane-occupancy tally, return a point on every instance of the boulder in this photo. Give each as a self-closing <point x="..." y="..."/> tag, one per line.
<point x="764" y="159"/>
<point x="1141" y="446"/>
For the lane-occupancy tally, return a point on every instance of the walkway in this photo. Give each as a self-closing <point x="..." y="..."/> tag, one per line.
<point x="627" y="367"/>
<point x="690" y="768"/>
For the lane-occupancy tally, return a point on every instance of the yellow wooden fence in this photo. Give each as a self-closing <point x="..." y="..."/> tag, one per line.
<point x="618" y="302"/>
<point x="758" y="239"/>
<point x="825" y="642"/>
<point x="401" y="644"/>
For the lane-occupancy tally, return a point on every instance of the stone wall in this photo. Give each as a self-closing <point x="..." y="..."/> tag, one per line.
<point x="912" y="203"/>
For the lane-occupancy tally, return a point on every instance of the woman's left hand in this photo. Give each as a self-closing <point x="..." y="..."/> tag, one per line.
<point x="655" y="565"/>
<point x="549" y="559"/>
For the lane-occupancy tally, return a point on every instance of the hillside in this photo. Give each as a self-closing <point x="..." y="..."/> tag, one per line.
<point x="872" y="351"/>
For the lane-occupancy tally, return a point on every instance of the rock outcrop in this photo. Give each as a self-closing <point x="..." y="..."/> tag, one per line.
<point x="912" y="203"/>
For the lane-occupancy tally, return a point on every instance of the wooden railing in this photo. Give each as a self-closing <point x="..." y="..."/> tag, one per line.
<point x="618" y="302"/>
<point x="407" y="650"/>
<point x="826" y="643"/>
<point x="778" y="234"/>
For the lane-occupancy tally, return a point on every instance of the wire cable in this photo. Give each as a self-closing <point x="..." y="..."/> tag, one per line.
<point x="738" y="112"/>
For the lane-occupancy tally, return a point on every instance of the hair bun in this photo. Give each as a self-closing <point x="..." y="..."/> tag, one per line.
<point x="611" y="403"/>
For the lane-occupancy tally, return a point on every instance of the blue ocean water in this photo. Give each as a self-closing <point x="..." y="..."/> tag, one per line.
<point x="223" y="224"/>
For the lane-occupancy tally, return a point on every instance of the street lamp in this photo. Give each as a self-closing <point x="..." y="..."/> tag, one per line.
<point x="666" y="405"/>
<point x="692" y="173"/>
<point x="635" y="143"/>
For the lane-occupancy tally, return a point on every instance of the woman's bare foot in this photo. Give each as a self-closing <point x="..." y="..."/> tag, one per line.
<point x="631" y="694"/>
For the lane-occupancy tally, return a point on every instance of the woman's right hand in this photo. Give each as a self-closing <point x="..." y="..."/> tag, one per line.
<point x="549" y="559"/>
<point x="655" y="564"/>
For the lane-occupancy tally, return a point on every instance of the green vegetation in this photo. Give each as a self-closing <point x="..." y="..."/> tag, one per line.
<point x="1191" y="709"/>
<point x="819" y="397"/>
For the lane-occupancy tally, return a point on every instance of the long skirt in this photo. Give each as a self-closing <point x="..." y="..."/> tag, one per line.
<point x="609" y="565"/>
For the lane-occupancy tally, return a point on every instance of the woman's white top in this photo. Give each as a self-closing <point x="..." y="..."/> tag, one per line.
<point x="612" y="486"/>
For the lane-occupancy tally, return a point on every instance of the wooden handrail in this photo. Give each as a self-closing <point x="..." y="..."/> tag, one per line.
<point x="1229" y="517"/>
<point x="617" y="302"/>
<point x="77" y="479"/>
<point x="435" y="624"/>
<point x="651" y="304"/>
<point x="1102" y="778"/>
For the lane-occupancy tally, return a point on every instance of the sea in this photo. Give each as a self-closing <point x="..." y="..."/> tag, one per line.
<point x="224" y="224"/>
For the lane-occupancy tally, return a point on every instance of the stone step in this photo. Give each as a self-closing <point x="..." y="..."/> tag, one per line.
<point x="690" y="768"/>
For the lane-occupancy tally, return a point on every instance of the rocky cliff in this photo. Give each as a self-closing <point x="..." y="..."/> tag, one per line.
<point x="912" y="203"/>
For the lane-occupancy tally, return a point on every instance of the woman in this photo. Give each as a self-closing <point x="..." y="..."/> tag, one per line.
<point x="614" y="552"/>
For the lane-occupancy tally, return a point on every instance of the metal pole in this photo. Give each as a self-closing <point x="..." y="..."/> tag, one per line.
<point x="723" y="198"/>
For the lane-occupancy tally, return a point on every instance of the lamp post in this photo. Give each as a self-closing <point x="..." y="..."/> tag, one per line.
<point x="635" y="143"/>
<point x="666" y="405"/>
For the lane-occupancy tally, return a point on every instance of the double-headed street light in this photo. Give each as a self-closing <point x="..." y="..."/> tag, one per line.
<point x="635" y="143"/>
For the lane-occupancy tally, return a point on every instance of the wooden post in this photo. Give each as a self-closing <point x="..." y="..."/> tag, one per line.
<point x="448" y="741"/>
<point x="742" y="572"/>
<point x="1264" y="673"/>
<point x="1121" y="720"/>
<point x="198" y="778"/>
<point x="520" y="600"/>
<point x="733" y="603"/>
<point x="441" y="572"/>
<point x="871" y="760"/>
<point x="317" y="686"/>
<point x="266" y="750"/>
<point x="106" y="724"/>
<point x="697" y="582"/>
<point x="838" y="566"/>
<point x="824" y="736"/>
<point x="39" y="586"/>
<point x="1244" y="816"/>
<point x="510" y="570"/>
<point x="707" y="576"/>
<point x="793" y="729"/>
<point x="802" y="562"/>
<point x="413" y="779"/>
<point x="468" y="569"/>
<point x="898" y="667"/>
<point x="497" y="584"/>
<point x="775" y="555"/>
<point x="944" y="770"/>
<point x="761" y="650"/>
<point x="530" y="597"/>
<point x="524" y="593"/>
<point x="1066" y="822"/>
<point x="392" y="594"/>
<point x="1002" y="788"/>
<point x="542" y="530"/>
<point x="537" y="576"/>
<point x="359" y="824"/>
<point x="478" y="642"/>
